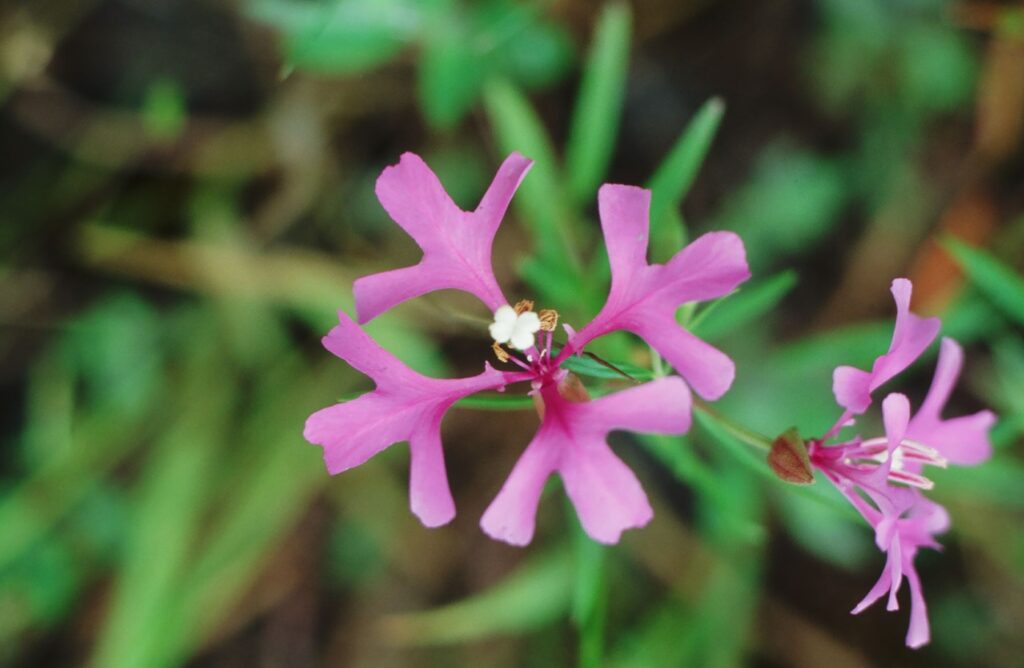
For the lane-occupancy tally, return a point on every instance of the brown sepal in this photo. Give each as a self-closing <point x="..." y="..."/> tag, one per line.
<point x="788" y="458"/>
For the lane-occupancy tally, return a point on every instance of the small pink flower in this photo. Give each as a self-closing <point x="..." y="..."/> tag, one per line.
<point x="883" y="478"/>
<point x="914" y="526"/>
<point x="571" y="440"/>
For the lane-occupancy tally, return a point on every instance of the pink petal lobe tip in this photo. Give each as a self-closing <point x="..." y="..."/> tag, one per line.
<point x="456" y="244"/>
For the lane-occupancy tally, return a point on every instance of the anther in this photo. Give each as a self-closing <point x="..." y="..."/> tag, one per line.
<point x="499" y="352"/>
<point x="548" y="319"/>
<point x="522" y="306"/>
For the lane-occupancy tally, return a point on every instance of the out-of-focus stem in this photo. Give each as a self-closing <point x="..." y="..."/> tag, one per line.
<point x="737" y="431"/>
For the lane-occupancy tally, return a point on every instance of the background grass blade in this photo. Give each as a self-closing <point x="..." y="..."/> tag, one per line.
<point x="676" y="173"/>
<point x="599" y="104"/>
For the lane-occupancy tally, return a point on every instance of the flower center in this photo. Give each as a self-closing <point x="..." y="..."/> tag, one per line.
<point x="875" y="452"/>
<point x="516" y="328"/>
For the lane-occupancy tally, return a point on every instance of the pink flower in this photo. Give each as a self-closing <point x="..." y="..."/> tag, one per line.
<point x="571" y="440"/>
<point x="883" y="477"/>
<point x="914" y="526"/>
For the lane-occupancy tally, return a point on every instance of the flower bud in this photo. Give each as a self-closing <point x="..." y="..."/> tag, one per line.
<point x="788" y="458"/>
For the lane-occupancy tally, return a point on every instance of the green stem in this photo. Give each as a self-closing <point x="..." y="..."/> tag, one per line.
<point x="590" y="604"/>
<point x="737" y="431"/>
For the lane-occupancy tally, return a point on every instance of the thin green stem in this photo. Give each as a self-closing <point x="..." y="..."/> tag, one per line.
<point x="737" y="431"/>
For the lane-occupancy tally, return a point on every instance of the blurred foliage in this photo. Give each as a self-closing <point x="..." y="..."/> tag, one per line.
<point x="180" y="229"/>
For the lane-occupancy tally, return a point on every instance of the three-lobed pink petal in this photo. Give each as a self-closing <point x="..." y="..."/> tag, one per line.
<point x="572" y="442"/>
<point x="405" y="406"/>
<point x="456" y="244"/>
<point x="962" y="440"/>
<point x="911" y="336"/>
<point x="643" y="298"/>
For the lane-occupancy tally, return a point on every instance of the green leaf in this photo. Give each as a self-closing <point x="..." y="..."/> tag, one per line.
<point x="588" y="366"/>
<point x="793" y="197"/>
<point x="342" y="36"/>
<point x="746" y="304"/>
<point x="540" y="199"/>
<point x="172" y="495"/>
<point x="163" y="110"/>
<point x="495" y="402"/>
<point x="539" y="593"/>
<point x="673" y="178"/>
<point x="451" y="74"/>
<point x="252" y="523"/>
<point x="599" y="105"/>
<point x="1002" y="286"/>
<point x="590" y="597"/>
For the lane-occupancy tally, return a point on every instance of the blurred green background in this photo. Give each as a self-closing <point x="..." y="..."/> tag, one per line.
<point x="186" y="194"/>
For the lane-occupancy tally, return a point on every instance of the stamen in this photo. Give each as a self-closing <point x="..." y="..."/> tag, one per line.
<point x="878" y="450"/>
<point x="911" y="479"/>
<point x="522" y="306"/>
<point x="919" y="452"/>
<point x="548" y="319"/>
<point x="499" y="352"/>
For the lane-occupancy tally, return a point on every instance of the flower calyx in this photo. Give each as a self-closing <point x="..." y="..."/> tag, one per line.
<point x="789" y="460"/>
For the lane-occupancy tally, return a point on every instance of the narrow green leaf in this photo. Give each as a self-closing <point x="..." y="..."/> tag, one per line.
<point x="590" y="599"/>
<point x="588" y="366"/>
<point x="540" y="199"/>
<point x="450" y="76"/>
<point x="343" y="36"/>
<point x="495" y="402"/>
<point x="1003" y="286"/>
<point x="251" y="523"/>
<point x="673" y="178"/>
<point x="171" y="498"/>
<point x="539" y="593"/>
<point x="599" y="105"/>
<point x="746" y="304"/>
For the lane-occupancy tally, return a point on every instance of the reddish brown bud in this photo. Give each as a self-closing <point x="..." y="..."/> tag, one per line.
<point x="788" y="458"/>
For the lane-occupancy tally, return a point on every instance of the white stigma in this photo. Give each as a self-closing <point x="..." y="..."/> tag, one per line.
<point x="515" y="329"/>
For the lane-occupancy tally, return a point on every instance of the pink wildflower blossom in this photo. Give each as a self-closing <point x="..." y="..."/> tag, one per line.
<point x="883" y="478"/>
<point x="571" y="440"/>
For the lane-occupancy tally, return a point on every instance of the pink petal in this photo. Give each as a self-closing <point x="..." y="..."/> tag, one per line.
<point x="406" y="406"/>
<point x="706" y="368"/>
<point x="352" y="432"/>
<point x="661" y="407"/>
<point x="918" y="633"/>
<point x="512" y="514"/>
<point x="606" y="494"/>
<point x="456" y="244"/>
<point x="881" y="586"/>
<point x="962" y="440"/>
<point x="896" y="416"/>
<point x="911" y="335"/>
<point x="430" y="496"/>
<point x="896" y="557"/>
<point x="644" y="298"/>
<point x="571" y="440"/>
